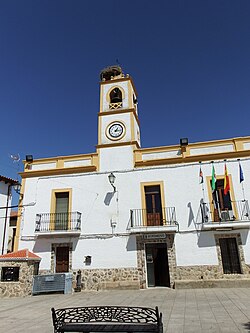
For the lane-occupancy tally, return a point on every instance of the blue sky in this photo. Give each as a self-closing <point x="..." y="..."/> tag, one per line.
<point x="190" y="61"/>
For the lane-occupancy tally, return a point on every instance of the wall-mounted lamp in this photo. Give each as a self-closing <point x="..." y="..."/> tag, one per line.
<point x="29" y="158"/>
<point x="17" y="188"/>
<point x="112" y="180"/>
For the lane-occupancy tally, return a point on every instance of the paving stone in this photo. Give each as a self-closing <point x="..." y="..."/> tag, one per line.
<point x="210" y="311"/>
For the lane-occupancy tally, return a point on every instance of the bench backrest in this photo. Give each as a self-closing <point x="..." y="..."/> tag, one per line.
<point x="108" y="314"/>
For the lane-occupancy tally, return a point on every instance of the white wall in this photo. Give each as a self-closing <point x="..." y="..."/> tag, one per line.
<point x="3" y="203"/>
<point x="93" y="196"/>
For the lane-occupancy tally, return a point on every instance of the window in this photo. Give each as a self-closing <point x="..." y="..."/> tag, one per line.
<point x="153" y="205"/>
<point x="62" y="211"/>
<point x="230" y="256"/>
<point x="10" y="274"/>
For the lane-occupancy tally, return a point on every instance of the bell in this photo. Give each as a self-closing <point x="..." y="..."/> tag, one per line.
<point x="116" y="96"/>
<point x="116" y="99"/>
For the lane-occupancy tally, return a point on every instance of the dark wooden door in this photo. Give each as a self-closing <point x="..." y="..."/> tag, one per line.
<point x="62" y="259"/>
<point x="153" y="205"/>
<point x="230" y="256"/>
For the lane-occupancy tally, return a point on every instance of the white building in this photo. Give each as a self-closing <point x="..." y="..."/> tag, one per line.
<point x="5" y="208"/>
<point x="156" y="224"/>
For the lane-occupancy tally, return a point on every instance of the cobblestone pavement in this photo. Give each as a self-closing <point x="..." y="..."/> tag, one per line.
<point x="197" y="310"/>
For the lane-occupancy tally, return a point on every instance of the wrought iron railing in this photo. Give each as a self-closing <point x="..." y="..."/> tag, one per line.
<point x="70" y="221"/>
<point x="211" y="212"/>
<point x="144" y="218"/>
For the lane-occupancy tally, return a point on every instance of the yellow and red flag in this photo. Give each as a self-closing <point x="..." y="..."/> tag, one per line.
<point x="226" y="182"/>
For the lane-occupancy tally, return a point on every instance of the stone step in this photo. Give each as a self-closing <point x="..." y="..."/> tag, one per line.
<point x="218" y="283"/>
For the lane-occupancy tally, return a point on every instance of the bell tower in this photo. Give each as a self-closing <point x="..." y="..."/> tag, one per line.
<point x="118" y="123"/>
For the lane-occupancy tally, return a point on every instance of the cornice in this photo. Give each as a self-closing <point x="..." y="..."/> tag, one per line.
<point x="57" y="171"/>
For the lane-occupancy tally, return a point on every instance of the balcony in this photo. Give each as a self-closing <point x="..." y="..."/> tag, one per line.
<point x="142" y="221"/>
<point x="215" y="218"/>
<point x="58" y="224"/>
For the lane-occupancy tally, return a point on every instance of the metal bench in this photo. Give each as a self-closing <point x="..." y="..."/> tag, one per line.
<point x="107" y="319"/>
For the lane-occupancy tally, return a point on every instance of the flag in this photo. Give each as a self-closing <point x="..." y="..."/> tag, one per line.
<point x="226" y="182"/>
<point x="241" y="174"/>
<point x="213" y="179"/>
<point x="201" y="177"/>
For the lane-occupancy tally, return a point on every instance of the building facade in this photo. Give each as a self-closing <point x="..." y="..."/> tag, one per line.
<point x="134" y="217"/>
<point x="6" y="185"/>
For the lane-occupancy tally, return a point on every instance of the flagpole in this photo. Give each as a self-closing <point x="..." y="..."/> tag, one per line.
<point x="202" y="204"/>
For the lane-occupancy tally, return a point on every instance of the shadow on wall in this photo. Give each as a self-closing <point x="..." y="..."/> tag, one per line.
<point x="108" y="198"/>
<point x="206" y="239"/>
<point x="191" y="215"/>
<point x="197" y="221"/>
<point x="131" y="244"/>
<point x="40" y="246"/>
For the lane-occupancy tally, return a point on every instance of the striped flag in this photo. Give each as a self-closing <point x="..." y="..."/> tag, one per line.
<point x="226" y="182"/>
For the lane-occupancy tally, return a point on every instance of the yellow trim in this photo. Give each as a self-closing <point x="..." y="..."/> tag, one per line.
<point x="122" y="79"/>
<point x="112" y="88"/>
<point x="189" y="159"/>
<point x="116" y="144"/>
<point x="204" y="144"/>
<point x="130" y="96"/>
<point x="63" y="171"/>
<point x="99" y="130"/>
<point x="53" y="203"/>
<point x="238" y="145"/>
<point x="132" y="125"/>
<point x="232" y="196"/>
<point x="19" y="216"/>
<point x="64" y="158"/>
<point x="143" y="199"/>
<point x="96" y="161"/>
<point x="120" y="111"/>
<point x="101" y="98"/>
<point x="60" y="164"/>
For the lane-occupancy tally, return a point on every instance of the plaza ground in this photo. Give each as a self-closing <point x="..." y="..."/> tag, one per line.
<point x="193" y="310"/>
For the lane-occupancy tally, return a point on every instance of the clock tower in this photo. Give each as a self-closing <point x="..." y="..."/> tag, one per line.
<point x="118" y="123"/>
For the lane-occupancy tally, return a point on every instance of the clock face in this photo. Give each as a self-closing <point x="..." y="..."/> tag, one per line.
<point x="115" y="130"/>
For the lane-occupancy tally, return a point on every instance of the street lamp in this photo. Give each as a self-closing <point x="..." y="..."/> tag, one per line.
<point x="112" y="180"/>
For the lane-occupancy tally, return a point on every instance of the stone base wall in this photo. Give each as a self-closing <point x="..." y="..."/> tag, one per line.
<point x="23" y="287"/>
<point x="109" y="278"/>
<point x="206" y="272"/>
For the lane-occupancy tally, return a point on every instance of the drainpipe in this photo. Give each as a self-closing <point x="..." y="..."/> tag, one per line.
<point x="6" y="216"/>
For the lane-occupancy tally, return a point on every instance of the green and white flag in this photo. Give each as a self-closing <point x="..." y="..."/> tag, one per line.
<point x="213" y="179"/>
